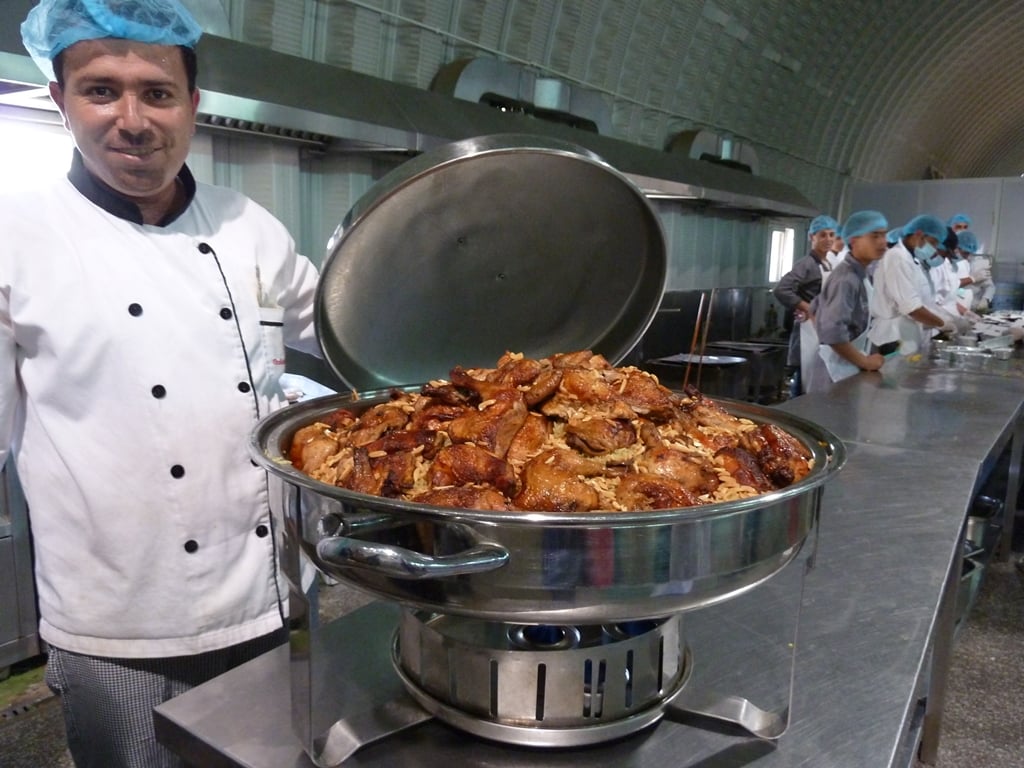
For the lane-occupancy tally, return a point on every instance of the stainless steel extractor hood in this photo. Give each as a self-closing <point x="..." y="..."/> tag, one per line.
<point x="245" y="87"/>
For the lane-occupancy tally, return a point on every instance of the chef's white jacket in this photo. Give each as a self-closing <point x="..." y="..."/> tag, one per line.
<point x="134" y="362"/>
<point x="900" y="287"/>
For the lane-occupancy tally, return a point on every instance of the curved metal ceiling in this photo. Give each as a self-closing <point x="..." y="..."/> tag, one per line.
<point x="824" y="89"/>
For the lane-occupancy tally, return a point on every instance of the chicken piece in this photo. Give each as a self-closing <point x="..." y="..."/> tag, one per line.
<point x="376" y="421"/>
<point x="450" y="395"/>
<point x="429" y="442"/>
<point x="494" y="424"/>
<point x="643" y="490"/>
<point x="529" y="440"/>
<point x="581" y="359"/>
<point x="543" y="387"/>
<point x="642" y="392"/>
<point x="548" y="487"/>
<point x="396" y="472"/>
<point x="465" y="497"/>
<point x="588" y="386"/>
<point x="362" y="478"/>
<point x="515" y="372"/>
<point x="783" y="458"/>
<point x="742" y="465"/>
<point x="433" y="415"/>
<point x="595" y="436"/>
<point x="339" y="420"/>
<point x="303" y="437"/>
<point x="663" y="461"/>
<point x="463" y="464"/>
<point x="571" y="461"/>
<point x="311" y="454"/>
<point x="484" y="390"/>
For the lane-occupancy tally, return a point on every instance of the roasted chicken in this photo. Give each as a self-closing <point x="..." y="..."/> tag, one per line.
<point x="568" y="433"/>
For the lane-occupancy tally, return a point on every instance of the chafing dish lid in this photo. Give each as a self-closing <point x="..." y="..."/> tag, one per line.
<point x="504" y="242"/>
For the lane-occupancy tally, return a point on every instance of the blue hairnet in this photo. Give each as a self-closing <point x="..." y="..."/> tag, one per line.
<point x="862" y="222"/>
<point x="959" y="218"/>
<point x="932" y="226"/>
<point x="968" y="241"/>
<point x="54" y="25"/>
<point x="893" y="235"/>
<point x="819" y="223"/>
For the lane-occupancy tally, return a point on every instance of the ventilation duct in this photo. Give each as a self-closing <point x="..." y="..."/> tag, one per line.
<point x="514" y="87"/>
<point x="710" y="147"/>
<point x="253" y="89"/>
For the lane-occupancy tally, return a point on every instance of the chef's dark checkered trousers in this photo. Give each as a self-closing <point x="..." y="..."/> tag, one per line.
<point x="108" y="702"/>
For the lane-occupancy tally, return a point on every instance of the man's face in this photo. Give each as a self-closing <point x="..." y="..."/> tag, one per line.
<point x="870" y="246"/>
<point x="821" y="241"/>
<point x="129" y="110"/>
<point x="960" y="226"/>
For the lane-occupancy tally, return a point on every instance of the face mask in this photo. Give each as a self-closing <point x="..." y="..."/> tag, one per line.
<point x="924" y="252"/>
<point x="934" y="260"/>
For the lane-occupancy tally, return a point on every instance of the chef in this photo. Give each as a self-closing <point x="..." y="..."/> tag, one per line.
<point x="841" y="314"/>
<point x="904" y="317"/>
<point x="798" y="287"/>
<point x="143" y="322"/>
<point x="974" y="271"/>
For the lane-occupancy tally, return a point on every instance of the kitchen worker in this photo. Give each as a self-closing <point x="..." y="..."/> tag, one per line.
<point x="143" y="322"/>
<point x="802" y="283"/>
<point x="941" y="271"/>
<point x="902" y="307"/>
<point x="838" y="250"/>
<point x="959" y="222"/>
<point x="841" y="312"/>
<point x="974" y="270"/>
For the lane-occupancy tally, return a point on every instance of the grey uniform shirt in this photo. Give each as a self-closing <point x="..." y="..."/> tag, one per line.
<point x="802" y="283"/>
<point x="841" y="310"/>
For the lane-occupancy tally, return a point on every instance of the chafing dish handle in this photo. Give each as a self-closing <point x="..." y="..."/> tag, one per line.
<point x="401" y="563"/>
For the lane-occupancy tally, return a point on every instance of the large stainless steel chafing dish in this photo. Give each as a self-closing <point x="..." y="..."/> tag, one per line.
<point x="545" y="567"/>
<point x="511" y="243"/>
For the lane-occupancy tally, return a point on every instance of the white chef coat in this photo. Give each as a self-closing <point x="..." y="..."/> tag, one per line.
<point x="901" y="286"/>
<point x="134" y="362"/>
<point x="946" y="283"/>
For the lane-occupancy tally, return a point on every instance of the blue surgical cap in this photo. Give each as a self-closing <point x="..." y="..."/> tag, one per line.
<point x="960" y="218"/>
<point x="968" y="241"/>
<point x="54" y="25"/>
<point x="819" y="223"/>
<point x="862" y="222"/>
<point x="932" y="226"/>
<point x="893" y="235"/>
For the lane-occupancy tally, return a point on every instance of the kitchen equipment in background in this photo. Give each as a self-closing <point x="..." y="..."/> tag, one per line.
<point x="502" y="600"/>
<point x="767" y="366"/>
<point x="19" y="637"/>
<point x="714" y="375"/>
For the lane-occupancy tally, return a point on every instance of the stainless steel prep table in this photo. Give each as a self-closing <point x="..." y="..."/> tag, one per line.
<point x="874" y="633"/>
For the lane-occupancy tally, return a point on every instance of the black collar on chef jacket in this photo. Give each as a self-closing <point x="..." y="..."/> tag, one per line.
<point x="113" y="203"/>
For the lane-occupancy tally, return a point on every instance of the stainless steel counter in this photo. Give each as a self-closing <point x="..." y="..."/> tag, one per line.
<point x="874" y="631"/>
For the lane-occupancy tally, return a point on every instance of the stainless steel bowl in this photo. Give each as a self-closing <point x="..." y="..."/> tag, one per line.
<point x="544" y="567"/>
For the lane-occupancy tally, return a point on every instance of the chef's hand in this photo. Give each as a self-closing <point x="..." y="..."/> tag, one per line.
<point x="873" y="362"/>
<point x="980" y="272"/>
<point x="963" y="324"/>
<point x="972" y="316"/>
<point x="948" y="327"/>
<point x="1017" y="332"/>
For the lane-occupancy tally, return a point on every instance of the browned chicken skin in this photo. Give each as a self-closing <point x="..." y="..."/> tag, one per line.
<point x="548" y="486"/>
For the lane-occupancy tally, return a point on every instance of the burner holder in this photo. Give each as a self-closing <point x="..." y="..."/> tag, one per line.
<point x="547" y="686"/>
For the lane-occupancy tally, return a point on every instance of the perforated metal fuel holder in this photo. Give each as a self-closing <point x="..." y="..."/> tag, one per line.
<point x="538" y="629"/>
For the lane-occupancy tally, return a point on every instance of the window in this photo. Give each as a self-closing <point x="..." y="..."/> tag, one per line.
<point x="780" y="255"/>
